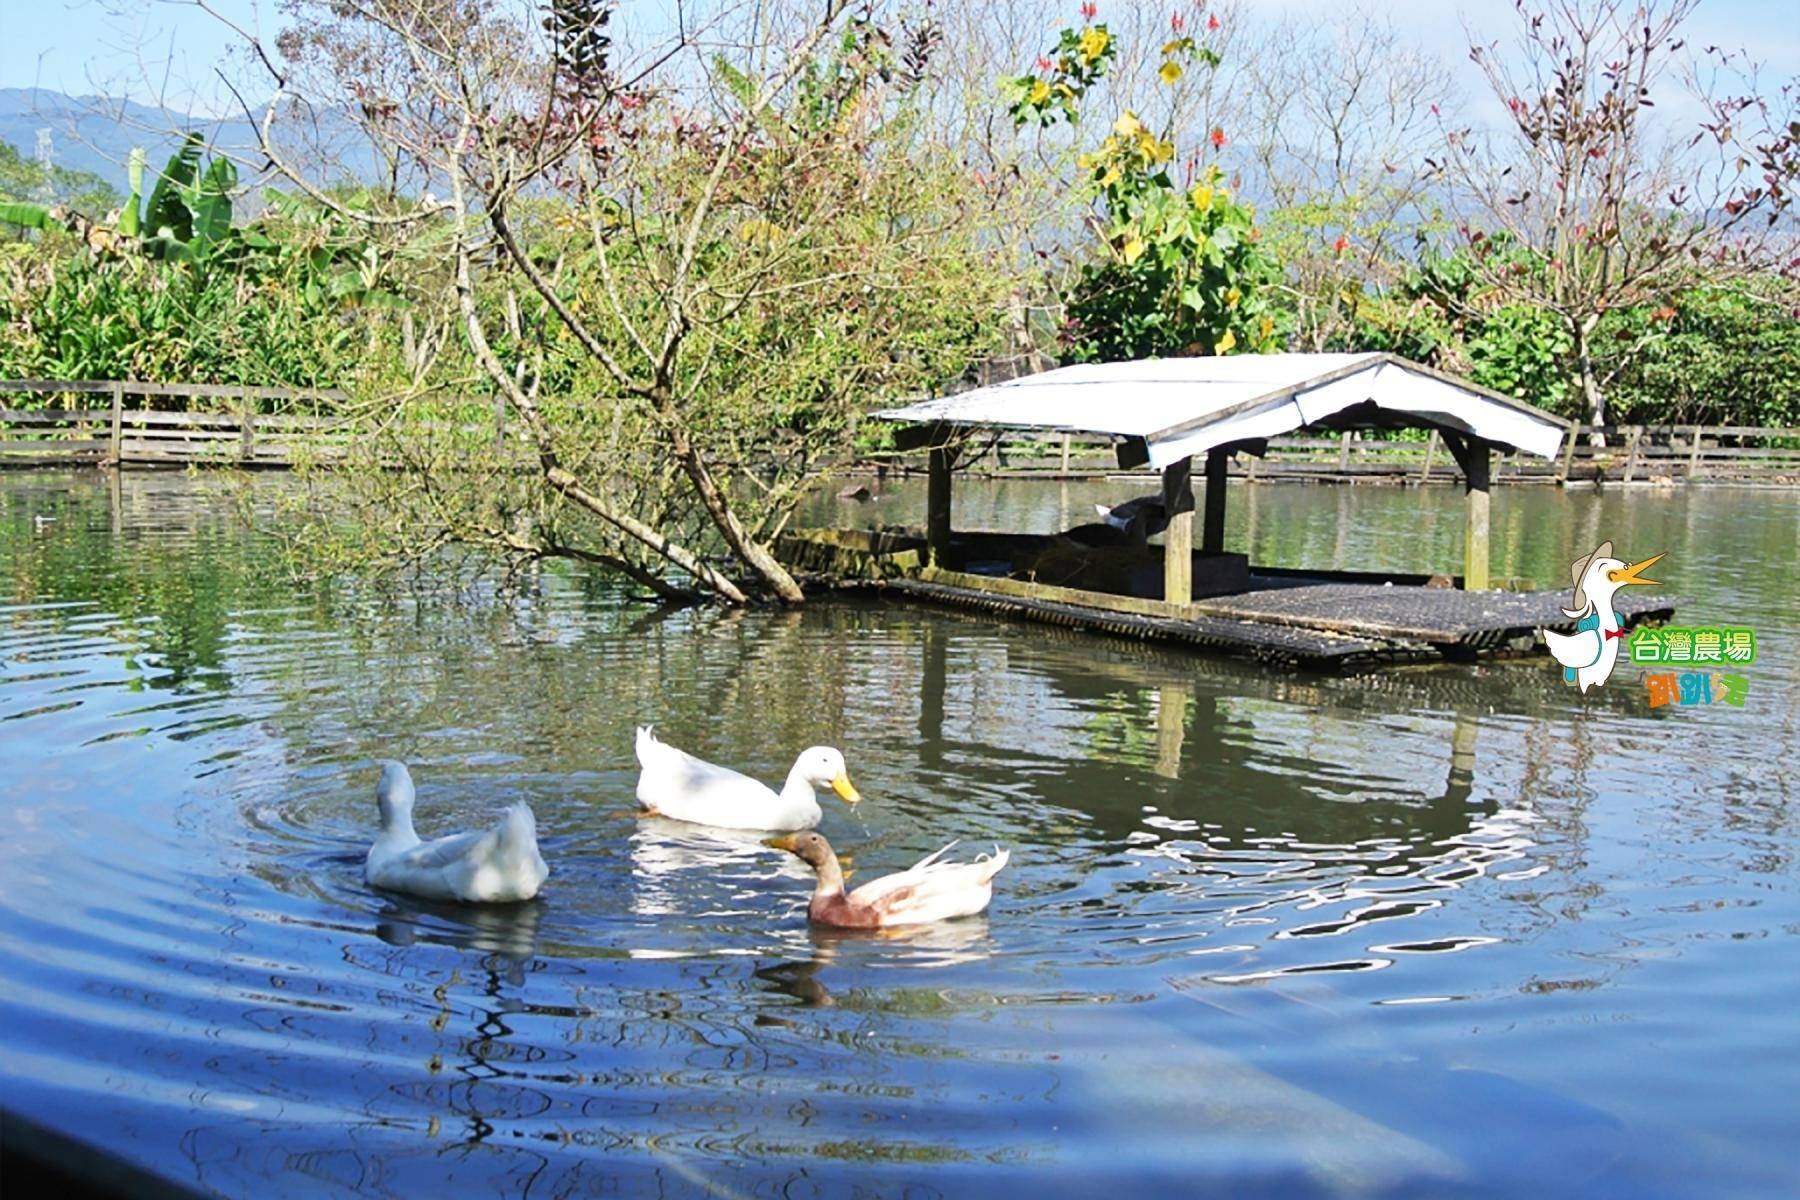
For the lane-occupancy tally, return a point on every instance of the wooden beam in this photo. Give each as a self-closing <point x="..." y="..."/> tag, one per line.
<point x="114" y="439"/>
<point x="1218" y="464"/>
<point x="1568" y="457"/>
<point x="1430" y="453"/>
<point x="920" y="437"/>
<point x="1178" y="540"/>
<point x="937" y="507"/>
<point x="1475" y="503"/>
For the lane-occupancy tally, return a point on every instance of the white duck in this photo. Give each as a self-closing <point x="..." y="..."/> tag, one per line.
<point x="673" y="783"/>
<point x="927" y="891"/>
<point x="482" y="866"/>
<point x="1589" y="654"/>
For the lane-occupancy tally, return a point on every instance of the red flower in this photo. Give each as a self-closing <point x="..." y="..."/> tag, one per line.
<point x="1218" y="139"/>
<point x="1341" y="245"/>
<point x="1212" y="21"/>
<point x="1089" y="11"/>
<point x="1044" y="64"/>
<point x="1175" y="22"/>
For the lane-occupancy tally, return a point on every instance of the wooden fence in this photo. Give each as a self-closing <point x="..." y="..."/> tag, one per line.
<point x="1632" y="454"/>
<point x="93" y="426"/>
<point x="239" y="432"/>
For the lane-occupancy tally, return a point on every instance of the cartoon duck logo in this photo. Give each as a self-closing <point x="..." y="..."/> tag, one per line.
<point x="1589" y="654"/>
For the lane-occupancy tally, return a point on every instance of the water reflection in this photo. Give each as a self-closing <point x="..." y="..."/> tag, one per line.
<point x="1263" y="933"/>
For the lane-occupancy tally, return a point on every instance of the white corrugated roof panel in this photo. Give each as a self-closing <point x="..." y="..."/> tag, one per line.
<point x="1185" y="406"/>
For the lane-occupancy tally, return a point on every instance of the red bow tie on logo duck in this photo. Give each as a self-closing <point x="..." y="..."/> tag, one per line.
<point x="1613" y="633"/>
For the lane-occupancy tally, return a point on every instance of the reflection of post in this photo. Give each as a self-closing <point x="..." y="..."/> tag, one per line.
<point x="1171" y="728"/>
<point x="933" y="677"/>
<point x="1462" y="759"/>
<point x="115" y="489"/>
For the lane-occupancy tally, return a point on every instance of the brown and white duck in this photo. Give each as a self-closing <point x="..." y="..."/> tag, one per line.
<point x="927" y="891"/>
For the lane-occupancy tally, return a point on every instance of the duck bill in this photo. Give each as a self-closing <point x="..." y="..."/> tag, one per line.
<point x="846" y="790"/>
<point x="1630" y="574"/>
<point x="785" y="842"/>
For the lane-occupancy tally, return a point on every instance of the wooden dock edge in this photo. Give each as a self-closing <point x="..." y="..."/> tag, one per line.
<point x="877" y="561"/>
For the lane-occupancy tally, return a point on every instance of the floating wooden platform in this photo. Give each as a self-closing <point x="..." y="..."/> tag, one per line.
<point x="1316" y="620"/>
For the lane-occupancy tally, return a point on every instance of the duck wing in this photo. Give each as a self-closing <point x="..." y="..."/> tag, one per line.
<point x="499" y="863"/>
<point x="676" y="784"/>
<point x="1574" y="650"/>
<point x="932" y="890"/>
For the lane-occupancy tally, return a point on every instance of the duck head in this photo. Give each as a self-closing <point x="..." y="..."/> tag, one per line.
<point x="1601" y="575"/>
<point x="395" y="793"/>
<point x="824" y="767"/>
<point x="810" y="847"/>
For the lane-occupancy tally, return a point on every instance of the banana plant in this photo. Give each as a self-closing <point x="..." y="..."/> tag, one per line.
<point x="188" y="215"/>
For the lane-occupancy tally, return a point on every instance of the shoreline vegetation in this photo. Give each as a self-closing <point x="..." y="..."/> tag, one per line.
<point x="622" y="297"/>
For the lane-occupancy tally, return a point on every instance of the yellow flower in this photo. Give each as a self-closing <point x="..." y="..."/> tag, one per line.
<point x="1128" y="125"/>
<point x="1134" y="250"/>
<point x="1232" y="296"/>
<point x="1227" y="342"/>
<point x="1268" y="327"/>
<point x="756" y="231"/>
<point x="1164" y="152"/>
<point x="1093" y="44"/>
<point x="1170" y="72"/>
<point x="1202" y="196"/>
<point x="1040" y="92"/>
<point x="1085" y="161"/>
<point x="1111" y="177"/>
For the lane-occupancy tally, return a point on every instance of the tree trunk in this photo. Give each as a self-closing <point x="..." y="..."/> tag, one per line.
<point x="748" y="550"/>
<point x="1592" y="397"/>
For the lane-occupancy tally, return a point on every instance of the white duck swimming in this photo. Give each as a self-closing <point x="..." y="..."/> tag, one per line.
<point x="673" y="783"/>
<point x="1589" y="654"/>
<point x="927" y="891"/>
<point x="483" y="866"/>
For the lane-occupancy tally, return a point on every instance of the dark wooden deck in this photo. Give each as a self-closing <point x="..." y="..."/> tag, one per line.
<point x="1440" y="616"/>
<point x="1318" y="621"/>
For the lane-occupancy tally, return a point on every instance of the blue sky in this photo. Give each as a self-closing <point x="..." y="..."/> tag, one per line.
<point x="82" y="46"/>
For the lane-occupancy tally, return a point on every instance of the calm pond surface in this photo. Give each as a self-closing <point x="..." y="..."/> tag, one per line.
<point x="1436" y="932"/>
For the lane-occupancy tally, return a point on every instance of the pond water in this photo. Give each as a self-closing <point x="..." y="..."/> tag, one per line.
<point x="1434" y="932"/>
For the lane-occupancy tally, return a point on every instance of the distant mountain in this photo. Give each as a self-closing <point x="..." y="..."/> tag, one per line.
<point x="96" y="133"/>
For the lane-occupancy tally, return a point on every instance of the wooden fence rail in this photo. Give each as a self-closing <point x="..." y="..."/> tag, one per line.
<point x="240" y="430"/>
<point x="1632" y="454"/>
<point x="236" y="432"/>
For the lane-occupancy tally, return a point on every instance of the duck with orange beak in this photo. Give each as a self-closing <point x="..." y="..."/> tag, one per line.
<point x="673" y="783"/>
<point x="1589" y="654"/>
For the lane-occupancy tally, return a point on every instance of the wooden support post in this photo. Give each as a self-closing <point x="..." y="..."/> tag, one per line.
<point x="1430" y="453"/>
<point x="1250" y="472"/>
<point x="1344" y="452"/>
<point x="1568" y="460"/>
<point x="1631" y="453"/>
<point x="937" y="507"/>
<point x="1212" y="530"/>
<point x="1178" y="540"/>
<point x="1475" y="532"/>
<point x="246" y="427"/>
<point x="116" y="438"/>
<point x="1694" y="455"/>
<point x="1065" y="454"/>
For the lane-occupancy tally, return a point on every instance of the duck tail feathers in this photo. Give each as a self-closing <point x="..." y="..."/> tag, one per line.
<point x="518" y="830"/>
<point x="932" y="858"/>
<point x="646" y="743"/>
<point x="993" y="866"/>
